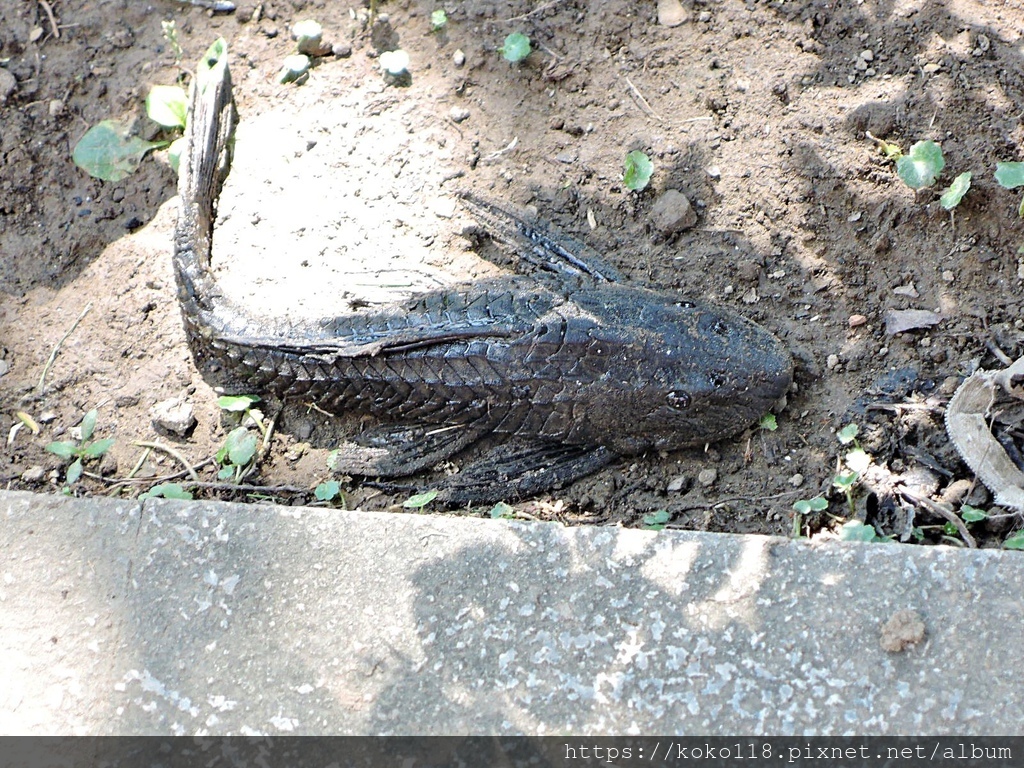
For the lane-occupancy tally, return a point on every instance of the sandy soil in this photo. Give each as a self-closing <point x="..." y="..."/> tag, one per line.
<point x="343" y="191"/>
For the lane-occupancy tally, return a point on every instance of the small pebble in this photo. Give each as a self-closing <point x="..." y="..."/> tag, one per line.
<point x="672" y="213"/>
<point x="796" y="480"/>
<point x="857" y="320"/>
<point x="458" y="58"/>
<point x="671" y="13"/>
<point x="867" y="54"/>
<point x="831" y="362"/>
<point x="707" y="477"/>
<point x="7" y="85"/>
<point x="676" y="484"/>
<point x="56" y="106"/>
<point x="908" y="290"/>
<point x="174" y="415"/>
<point x="458" y="114"/>
<point x="33" y="474"/>
<point x="948" y="276"/>
<point x="341" y="50"/>
<point x="4" y="367"/>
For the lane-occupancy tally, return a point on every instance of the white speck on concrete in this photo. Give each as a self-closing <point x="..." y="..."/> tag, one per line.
<point x="283" y="723"/>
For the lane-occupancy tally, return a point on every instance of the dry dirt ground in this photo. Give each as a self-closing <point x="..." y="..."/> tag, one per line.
<point x="344" y="187"/>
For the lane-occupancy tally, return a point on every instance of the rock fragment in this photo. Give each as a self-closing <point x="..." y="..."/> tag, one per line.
<point x="175" y="416"/>
<point x="7" y="85"/>
<point x="672" y="213"/>
<point x="901" y="320"/>
<point x="671" y="13"/>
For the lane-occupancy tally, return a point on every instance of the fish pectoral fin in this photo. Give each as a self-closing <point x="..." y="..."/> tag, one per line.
<point x="522" y="468"/>
<point x="538" y="245"/>
<point x="398" y="450"/>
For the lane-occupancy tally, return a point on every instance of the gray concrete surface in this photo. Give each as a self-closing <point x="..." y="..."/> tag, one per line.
<point x="179" y="617"/>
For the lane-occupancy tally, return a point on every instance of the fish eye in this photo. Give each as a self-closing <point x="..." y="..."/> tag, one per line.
<point x="678" y="399"/>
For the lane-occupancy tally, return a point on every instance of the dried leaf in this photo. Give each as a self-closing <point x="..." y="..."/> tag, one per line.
<point x="967" y="424"/>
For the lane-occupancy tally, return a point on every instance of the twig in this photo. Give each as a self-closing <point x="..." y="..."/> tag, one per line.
<point x="999" y="354"/>
<point x="943" y="510"/>
<point x="40" y="388"/>
<point x="170" y="452"/>
<point x="139" y="463"/>
<point x="511" y="145"/>
<point x="264" y="447"/>
<point x="643" y="102"/>
<point x="243" y="487"/>
<point x="550" y="53"/>
<point x="538" y="9"/>
<point x="116" y="484"/>
<point x="53" y="22"/>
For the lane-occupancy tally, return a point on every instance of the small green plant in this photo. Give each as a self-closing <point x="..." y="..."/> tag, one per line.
<point x="804" y="507"/>
<point x="438" y="20"/>
<point x="420" y="500"/>
<point x="637" y="171"/>
<point x="516" y="47"/>
<point x="502" y="511"/>
<point x="81" y="450"/>
<point x="921" y="166"/>
<point x="1011" y="176"/>
<point x="107" y="151"/>
<point x="844" y="483"/>
<point x="1015" y="541"/>
<point x="807" y="506"/>
<point x="329" y="491"/>
<point x="237" y="403"/>
<point x="235" y="454"/>
<point x="167" y="105"/>
<point x="855" y="530"/>
<point x="167" y="491"/>
<point x="656" y="520"/>
<point x="972" y="514"/>
<point x="170" y="31"/>
<point x="955" y="193"/>
<point x="239" y="449"/>
<point x="768" y="422"/>
<point x="848" y="434"/>
<point x="856" y="458"/>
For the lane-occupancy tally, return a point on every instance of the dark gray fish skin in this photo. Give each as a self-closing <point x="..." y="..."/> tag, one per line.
<point x="597" y="365"/>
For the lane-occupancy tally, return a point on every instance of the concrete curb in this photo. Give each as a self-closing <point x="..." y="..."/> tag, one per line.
<point x="206" y="617"/>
